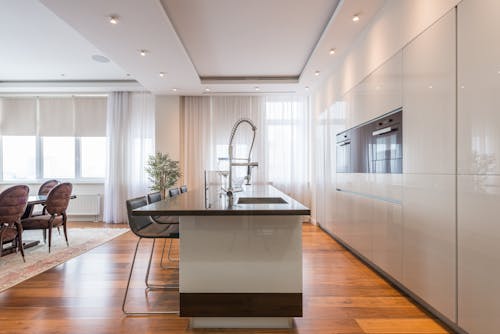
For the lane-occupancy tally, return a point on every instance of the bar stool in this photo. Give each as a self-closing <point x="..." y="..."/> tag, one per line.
<point x="146" y="228"/>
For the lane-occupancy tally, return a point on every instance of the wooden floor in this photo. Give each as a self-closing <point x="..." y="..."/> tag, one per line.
<point x="84" y="295"/>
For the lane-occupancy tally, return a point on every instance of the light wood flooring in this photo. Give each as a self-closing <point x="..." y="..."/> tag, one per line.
<point x="84" y="295"/>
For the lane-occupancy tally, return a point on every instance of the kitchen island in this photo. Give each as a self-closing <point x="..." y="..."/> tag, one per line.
<point x="240" y="265"/>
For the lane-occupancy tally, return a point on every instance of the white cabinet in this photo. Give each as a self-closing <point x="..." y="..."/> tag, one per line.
<point x="479" y="253"/>
<point x="379" y="93"/>
<point x="429" y="144"/>
<point x="479" y="87"/>
<point x="429" y="100"/>
<point x="429" y="240"/>
<point x="387" y="237"/>
<point x="479" y="166"/>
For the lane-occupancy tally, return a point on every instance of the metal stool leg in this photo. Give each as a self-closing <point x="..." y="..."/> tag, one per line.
<point x="168" y="256"/>
<point x="147" y="275"/>
<point x="157" y="286"/>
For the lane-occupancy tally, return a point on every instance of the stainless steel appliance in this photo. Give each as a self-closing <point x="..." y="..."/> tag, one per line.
<point x="372" y="147"/>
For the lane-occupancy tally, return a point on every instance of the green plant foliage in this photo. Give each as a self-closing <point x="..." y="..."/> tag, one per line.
<point x="163" y="172"/>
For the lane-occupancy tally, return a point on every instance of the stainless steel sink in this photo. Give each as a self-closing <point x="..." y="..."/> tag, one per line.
<point x="261" y="200"/>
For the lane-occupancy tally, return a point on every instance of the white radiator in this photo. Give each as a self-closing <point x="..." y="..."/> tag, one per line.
<point x="85" y="205"/>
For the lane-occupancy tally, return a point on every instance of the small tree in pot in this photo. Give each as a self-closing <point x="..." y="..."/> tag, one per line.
<point x="163" y="172"/>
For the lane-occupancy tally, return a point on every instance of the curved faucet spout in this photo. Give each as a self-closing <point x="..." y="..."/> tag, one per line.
<point x="249" y="164"/>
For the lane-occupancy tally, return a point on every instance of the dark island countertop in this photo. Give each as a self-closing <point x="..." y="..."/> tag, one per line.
<point x="196" y="203"/>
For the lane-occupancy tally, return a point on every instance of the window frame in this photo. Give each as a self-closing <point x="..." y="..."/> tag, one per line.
<point x="39" y="168"/>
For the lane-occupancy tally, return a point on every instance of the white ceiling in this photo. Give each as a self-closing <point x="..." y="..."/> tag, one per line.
<point x="258" y="38"/>
<point x="37" y="45"/>
<point x="276" y="45"/>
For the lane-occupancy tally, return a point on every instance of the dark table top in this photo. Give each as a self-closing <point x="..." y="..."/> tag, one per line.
<point x="40" y="199"/>
<point x="196" y="203"/>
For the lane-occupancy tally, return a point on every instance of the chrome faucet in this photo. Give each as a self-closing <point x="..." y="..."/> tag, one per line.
<point x="248" y="163"/>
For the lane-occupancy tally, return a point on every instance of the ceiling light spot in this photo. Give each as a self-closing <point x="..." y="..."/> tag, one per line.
<point x="143" y="52"/>
<point x="316" y="73"/>
<point x="306" y="88"/>
<point x="430" y="86"/>
<point x="174" y="89"/>
<point x="162" y="74"/>
<point x="113" y="19"/>
<point x="63" y="75"/>
<point x="207" y="89"/>
<point x="257" y="88"/>
<point x="355" y="18"/>
<point x="128" y="74"/>
<point x="332" y="52"/>
<point x="100" y="59"/>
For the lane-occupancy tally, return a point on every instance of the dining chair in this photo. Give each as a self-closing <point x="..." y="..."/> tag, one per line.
<point x="184" y="189"/>
<point x="44" y="189"/>
<point x="146" y="228"/>
<point x="12" y="205"/>
<point x="153" y="198"/>
<point x="174" y="192"/>
<point x="56" y="205"/>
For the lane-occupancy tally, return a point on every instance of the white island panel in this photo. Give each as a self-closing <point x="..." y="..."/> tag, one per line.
<point x="240" y="254"/>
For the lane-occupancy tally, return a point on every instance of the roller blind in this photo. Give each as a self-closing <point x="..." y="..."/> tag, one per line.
<point x="56" y="117"/>
<point x="90" y="116"/>
<point x="18" y="116"/>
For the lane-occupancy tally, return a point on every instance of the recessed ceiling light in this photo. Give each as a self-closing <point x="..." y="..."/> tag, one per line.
<point x="316" y="73"/>
<point x="128" y="74"/>
<point x="355" y="18"/>
<point x="143" y="52"/>
<point x="63" y="75"/>
<point x="257" y="88"/>
<point x="174" y="89"/>
<point x="332" y="52"/>
<point x="430" y="86"/>
<point x="207" y="89"/>
<point x="162" y="74"/>
<point x="307" y="88"/>
<point x="113" y="19"/>
<point x="100" y="59"/>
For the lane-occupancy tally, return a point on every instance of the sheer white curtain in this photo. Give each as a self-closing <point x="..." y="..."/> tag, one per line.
<point x="196" y="139"/>
<point x="281" y="147"/>
<point x="287" y="135"/>
<point x="130" y="140"/>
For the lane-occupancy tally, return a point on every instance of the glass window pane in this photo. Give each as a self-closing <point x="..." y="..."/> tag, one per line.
<point x="93" y="156"/>
<point x="58" y="157"/>
<point x="19" y="157"/>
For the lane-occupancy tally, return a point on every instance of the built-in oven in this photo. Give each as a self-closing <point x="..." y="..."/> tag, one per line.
<point x="343" y="152"/>
<point x="385" y="144"/>
<point x="372" y="147"/>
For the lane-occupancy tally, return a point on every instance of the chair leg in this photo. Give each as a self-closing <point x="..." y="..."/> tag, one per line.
<point x="44" y="236"/>
<point x="50" y="236"/>
<point x="21" y="246"/>
<point x="19" y="238"/>
<point x="128" y="285"/>
<point x="65" y="220"/>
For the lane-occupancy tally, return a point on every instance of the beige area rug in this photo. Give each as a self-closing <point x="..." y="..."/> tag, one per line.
<point x="13" y="270"/>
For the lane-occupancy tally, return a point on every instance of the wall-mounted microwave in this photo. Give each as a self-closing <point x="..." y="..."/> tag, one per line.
<point x="372" y="147"/>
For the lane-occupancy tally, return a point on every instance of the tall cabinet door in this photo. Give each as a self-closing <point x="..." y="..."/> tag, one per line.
<point x="429" y="144"/>
<point x="479" y="166"/>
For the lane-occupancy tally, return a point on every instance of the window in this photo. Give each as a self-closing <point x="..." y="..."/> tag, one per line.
<point x="52" y="137"/>
<point x="92" y="157"/>
<point x="58" y="157"/>
<point x="19" y="157"/>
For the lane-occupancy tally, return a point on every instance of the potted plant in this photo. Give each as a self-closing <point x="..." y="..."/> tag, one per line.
<point x="163" y="172"/>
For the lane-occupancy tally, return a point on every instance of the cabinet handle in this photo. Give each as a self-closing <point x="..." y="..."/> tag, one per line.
<point x="382" y="131"/>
